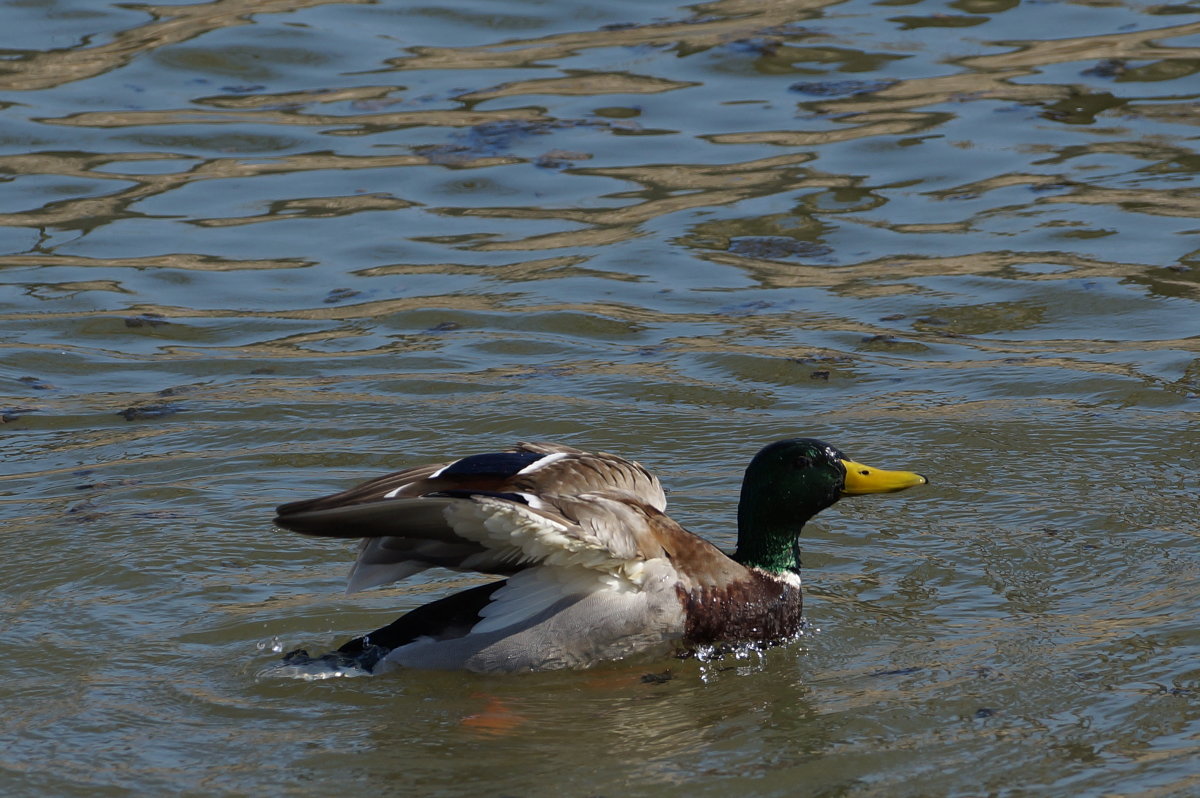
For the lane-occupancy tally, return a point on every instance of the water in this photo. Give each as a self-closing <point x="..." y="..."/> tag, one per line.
<point x="255" y="253"/>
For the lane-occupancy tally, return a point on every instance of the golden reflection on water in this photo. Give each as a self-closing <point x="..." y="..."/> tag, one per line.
<point x="349" y="124"/>
<point x="181" y="261"/>
<point x="169" y="25"/>
<point x="718" y="22"/>
<point x="256" y="251"/>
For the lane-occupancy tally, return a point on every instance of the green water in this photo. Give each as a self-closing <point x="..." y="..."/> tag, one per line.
<point x="256" y="252"/>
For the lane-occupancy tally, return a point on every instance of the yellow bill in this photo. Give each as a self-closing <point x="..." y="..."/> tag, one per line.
<point x="862" y="479"/>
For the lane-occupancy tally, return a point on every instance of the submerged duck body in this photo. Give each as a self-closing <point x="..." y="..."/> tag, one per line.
<point x="593" y="568"/>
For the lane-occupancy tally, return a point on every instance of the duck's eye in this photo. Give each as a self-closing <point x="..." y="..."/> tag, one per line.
<point x="802" y="462"/>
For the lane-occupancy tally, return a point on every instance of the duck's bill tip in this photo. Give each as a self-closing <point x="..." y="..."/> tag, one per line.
<point x="862" y="479"/>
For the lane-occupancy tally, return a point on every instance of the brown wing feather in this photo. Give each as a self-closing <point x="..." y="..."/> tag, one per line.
<point x="571" y="506"/>
<point x="576" y="472"/>
<point x="699" y="563"/>
<point x="369" y="491"/>
<point x="581" y="472"/>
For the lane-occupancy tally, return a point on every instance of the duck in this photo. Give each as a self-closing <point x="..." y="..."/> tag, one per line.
<point x="590" y="567"/>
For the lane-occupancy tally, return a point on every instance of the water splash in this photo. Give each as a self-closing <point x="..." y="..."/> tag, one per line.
<point x="314" y="671"/>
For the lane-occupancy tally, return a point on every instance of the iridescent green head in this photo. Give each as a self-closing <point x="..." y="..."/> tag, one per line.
<point x="787" y="483"/>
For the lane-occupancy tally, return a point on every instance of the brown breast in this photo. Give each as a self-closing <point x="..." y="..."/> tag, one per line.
<point x="757" y="608"/>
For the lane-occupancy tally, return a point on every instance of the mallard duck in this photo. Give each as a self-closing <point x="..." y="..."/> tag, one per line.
<point x="594" y="568"/>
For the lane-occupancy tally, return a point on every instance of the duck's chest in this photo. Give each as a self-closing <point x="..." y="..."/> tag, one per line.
<point x="760" y="608"/>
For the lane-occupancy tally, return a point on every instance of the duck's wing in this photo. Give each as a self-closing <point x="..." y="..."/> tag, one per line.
<point x="498" y="513"/>
<point x="535" y="468"/>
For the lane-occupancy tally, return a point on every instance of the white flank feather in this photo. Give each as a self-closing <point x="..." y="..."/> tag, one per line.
<point x="535" y="590"/>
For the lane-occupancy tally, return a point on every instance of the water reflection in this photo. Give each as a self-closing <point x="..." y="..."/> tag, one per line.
<point x="250" y="248"/>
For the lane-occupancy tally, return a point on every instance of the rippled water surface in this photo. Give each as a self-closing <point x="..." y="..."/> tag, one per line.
<point x="257" y="251"/>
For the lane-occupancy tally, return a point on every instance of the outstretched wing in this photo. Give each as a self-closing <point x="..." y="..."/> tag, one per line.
<point x="496" y="513"/>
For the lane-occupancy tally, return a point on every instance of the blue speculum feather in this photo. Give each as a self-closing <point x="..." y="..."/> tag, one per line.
<point x="496" y="464"/>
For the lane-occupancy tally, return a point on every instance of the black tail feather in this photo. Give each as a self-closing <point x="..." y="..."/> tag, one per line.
<point x="449" y="617"/>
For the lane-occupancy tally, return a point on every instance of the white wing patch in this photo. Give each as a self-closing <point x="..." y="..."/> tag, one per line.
<point x="536" y="502"/>
<point x="542" y="463"/>
<point x="438" y="473"/>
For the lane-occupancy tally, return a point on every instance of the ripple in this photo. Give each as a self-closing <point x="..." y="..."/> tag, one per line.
<point x="253" y="252"/>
